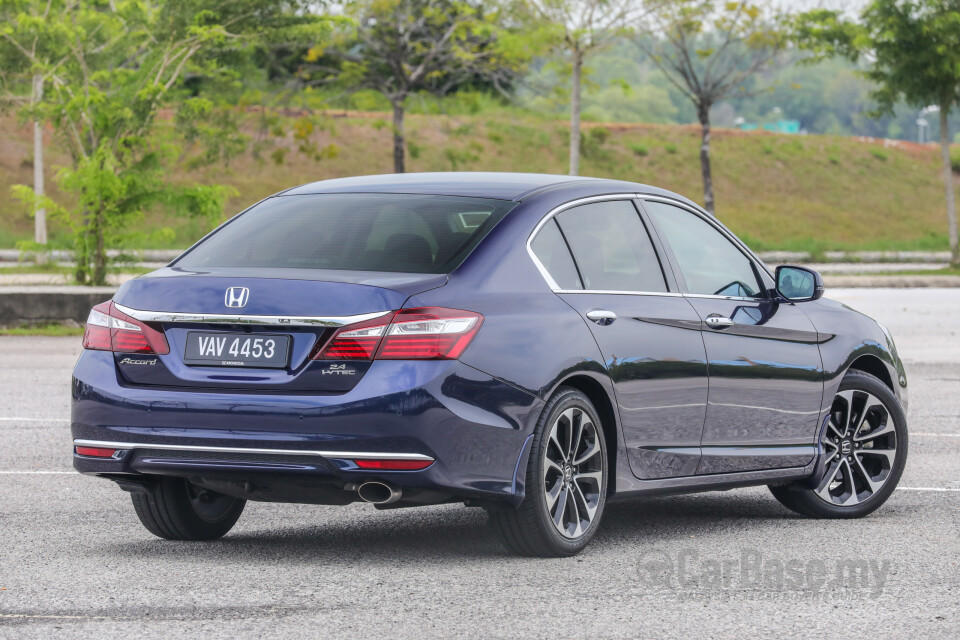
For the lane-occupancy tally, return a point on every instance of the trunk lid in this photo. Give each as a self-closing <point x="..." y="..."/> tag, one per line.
<point x="298" y="309"/>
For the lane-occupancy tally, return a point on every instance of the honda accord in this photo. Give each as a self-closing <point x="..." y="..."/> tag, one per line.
<point x="532" y="345"/>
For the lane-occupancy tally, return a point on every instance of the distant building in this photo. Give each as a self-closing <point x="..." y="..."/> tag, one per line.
<point x="780" y="126"/>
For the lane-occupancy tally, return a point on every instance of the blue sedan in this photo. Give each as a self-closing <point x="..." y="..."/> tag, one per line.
<point x="533" y="345"/>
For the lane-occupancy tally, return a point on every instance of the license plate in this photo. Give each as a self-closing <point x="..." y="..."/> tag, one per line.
<point x="237" y="350"/>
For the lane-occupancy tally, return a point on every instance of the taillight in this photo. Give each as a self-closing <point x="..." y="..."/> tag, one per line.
<point x="356" y="341"/>
<point x="427" y="333"/>
<point x="110" y="330"/>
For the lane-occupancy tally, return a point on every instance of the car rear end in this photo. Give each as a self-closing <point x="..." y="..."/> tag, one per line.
<point x="276" y="360"/>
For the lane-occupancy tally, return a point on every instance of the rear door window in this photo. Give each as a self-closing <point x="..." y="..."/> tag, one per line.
<point x="612" y="248"/>
<point x="353" y="232"/>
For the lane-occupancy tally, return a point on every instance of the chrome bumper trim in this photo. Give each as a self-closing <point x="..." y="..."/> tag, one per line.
<point x="345" y="455"/>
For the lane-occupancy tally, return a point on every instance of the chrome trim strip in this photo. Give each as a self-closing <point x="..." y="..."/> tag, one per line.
<point x="351" y="455"/>
<point x="716" y="297"/>
<point x="223" y="318"/>
<point x="672" y="294"/>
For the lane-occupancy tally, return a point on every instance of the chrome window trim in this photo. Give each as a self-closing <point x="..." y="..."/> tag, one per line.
<point x="642" y="197"/>
<point x="716" y="297"/>
<point x="223" y="318"/>
<point x="673" y="294"/>
<point x="560" y="209"/>
<point x="352" y="455"/>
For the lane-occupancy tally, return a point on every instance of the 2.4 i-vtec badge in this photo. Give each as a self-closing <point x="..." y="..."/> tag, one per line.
<point x="339" y="370"/>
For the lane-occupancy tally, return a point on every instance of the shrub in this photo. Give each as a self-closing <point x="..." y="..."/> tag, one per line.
<point x="639" y="149"/>
<point x="592" y="141"/>
<point x="955" y="160"/>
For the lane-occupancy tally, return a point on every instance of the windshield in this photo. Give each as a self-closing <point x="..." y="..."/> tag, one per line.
<point x="352" y="232"/>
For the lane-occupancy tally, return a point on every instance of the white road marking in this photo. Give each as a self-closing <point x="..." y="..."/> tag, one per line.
<point x="37" y="473"/>
<point x="34" y="420"/>
<point x="52" y="617"/>
<point x="936" y="435"/>
<point x="928" y="489"/>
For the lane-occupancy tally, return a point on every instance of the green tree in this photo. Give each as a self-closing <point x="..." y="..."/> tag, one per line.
<point x="911" y="49"/>
<point x="28" y="34"/>
<point x="710" y="50"/>
<point x="401" y="47"/>
<point x="579" y="29"/>
<point x="119" y="63"/>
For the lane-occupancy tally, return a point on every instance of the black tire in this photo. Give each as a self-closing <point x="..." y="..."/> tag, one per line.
<point x="529" y="530"/>
<point x="806" y="501"/>
<point x="175" y="509"/>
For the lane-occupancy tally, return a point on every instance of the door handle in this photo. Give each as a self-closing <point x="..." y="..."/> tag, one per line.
<point x="601" y="316"/>
<point x="719" y="322"/>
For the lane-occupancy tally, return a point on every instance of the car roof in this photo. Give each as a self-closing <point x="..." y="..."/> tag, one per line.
<point x="476" y="184"/>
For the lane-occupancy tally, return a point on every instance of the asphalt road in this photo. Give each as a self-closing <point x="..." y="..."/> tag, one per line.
<point x="75" y="562"/>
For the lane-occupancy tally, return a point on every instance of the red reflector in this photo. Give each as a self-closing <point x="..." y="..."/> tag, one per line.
<point x="394" y="465"/>
<point x="95" y="452"/>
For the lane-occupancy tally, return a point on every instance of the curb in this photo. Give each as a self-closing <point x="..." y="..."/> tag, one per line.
<point x="891" y="282"/>
<point x="49" y="305"/>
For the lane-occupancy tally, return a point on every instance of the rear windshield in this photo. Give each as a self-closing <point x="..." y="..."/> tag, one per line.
<point x="352" y="232"/>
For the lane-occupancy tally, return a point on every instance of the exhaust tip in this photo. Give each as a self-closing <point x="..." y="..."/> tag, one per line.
<point x="378" y="492"/>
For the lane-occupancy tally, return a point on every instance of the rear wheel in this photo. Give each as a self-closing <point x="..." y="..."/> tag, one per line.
<point x="566" y="482"/>
<point x="866" y="444"/>
<point x="177" y="509"/>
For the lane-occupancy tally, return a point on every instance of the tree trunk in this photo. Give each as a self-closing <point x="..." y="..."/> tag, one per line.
<point x="575" y="114"/>
<point x="81" y="250"/>
<point x="398" y="140"/>
<point x="948" y="183"/>
<point x="703" y="113"/>
<point x="99" y="277"/>
<point x="40" y="215"/>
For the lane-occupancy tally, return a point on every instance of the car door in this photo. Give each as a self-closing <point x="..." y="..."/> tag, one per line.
<point x="766" y="375"/>
<point x="649" y="335"/>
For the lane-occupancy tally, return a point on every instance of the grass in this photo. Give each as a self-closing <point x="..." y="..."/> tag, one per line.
<point x="28" y="267"/>
<point x="799" y="193"/>
<point x="55" y="330"/>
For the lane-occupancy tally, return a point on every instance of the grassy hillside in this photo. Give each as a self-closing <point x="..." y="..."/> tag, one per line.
<point x="778" y="192"/>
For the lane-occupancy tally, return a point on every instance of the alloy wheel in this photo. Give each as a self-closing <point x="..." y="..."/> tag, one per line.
<point x="573" y="472"/>
<point x="861" y="444"/>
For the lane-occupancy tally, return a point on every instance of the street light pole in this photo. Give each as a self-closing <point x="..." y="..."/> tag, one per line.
<point x="922" y="124"/>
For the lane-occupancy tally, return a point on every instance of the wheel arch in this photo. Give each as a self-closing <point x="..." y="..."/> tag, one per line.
<point x="604" y="404"/>
<point x="874" y="366"/>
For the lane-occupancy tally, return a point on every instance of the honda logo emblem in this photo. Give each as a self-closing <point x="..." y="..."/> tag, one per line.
<point x="237" y="297"/>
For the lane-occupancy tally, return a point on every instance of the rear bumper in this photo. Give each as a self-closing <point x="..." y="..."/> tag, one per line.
<point x="471" y="425"/>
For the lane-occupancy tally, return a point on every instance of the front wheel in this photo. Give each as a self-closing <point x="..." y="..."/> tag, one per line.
<point x="866" y="445"/>
<point x="566" y="482"/>
<point x="177" y="509"/>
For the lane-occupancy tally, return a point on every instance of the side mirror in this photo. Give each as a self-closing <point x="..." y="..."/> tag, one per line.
<point x="799" y="284"/>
